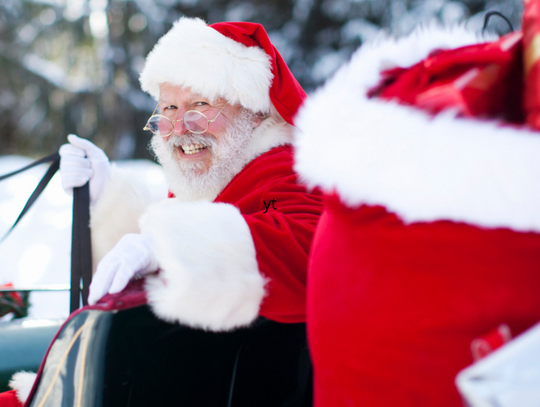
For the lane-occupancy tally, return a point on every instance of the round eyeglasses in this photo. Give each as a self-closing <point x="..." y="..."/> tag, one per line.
<point x="195" y="121"/>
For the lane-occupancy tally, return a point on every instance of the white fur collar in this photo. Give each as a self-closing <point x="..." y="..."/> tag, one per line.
<point x="422" y="168"/>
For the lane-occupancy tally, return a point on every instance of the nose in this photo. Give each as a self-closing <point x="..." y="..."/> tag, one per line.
<point x="179" y="126"/>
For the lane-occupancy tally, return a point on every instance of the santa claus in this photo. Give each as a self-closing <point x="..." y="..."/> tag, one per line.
<point x="231" y="243"/>
<point x="430" y="239"/>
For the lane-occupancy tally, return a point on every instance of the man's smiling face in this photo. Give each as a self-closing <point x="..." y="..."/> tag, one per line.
<point x="195" y="150"/>
<point x="199" y="166"/>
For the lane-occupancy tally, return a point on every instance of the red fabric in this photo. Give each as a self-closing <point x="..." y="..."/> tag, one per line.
<point x="393" y="308"/>
<point x="286" y="93"/>
<point x="9" y="399"/>
<point x="476" y="80"/>
<point x="531" y="46"/>
<point x="282" y="236"/>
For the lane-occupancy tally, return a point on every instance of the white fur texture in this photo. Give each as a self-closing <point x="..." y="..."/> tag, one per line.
<point x="273" y="132"/>
<point x="22" y="383"/>
<point x="117" y="212"/>
<point x="209" y="272"/>
<point x="195" y="55"/>
<point x="421" y="167"/>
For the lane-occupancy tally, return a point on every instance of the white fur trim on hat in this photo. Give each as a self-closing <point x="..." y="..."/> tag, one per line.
<point x="22" y="382"/>
<point x="421" y="167"/>
<point x="197" y="56"/>
<point x="209" y="272"/>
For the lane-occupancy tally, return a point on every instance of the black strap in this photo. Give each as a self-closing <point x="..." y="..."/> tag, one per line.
<point x="49" y="158"/>
<point x="55" y="158"/>
<point x="81" y="248"/>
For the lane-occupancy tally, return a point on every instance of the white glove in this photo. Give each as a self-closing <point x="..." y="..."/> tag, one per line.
<point x="82" y="161"/>
<point x="132" y="256"/>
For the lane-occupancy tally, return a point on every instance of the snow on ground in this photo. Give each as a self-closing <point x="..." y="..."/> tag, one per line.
<point x="38" y="250"/>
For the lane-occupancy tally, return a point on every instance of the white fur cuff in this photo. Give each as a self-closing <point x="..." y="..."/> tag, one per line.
<point x="209" y="272"/>
<point x="22" y="383"/>
<point x="117" y="212"/>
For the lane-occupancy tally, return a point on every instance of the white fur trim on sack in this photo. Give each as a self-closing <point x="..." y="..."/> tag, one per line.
<point x="117" y="212"/>
<point x="209" y="272"/>
<point x="22" y="383"/>
<point x="197" y="56"/>
<point x="421" y="167"/>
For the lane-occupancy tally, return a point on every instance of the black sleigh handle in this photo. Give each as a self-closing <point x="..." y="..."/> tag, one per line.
<point x="81" y="248"/>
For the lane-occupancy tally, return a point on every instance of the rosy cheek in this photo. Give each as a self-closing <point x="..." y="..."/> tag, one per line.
<point x="221" y="124"/>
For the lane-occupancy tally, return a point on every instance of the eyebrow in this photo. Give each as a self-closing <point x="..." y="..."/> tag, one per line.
<point x="191" y="99"/>
<point x="164" y="100"/>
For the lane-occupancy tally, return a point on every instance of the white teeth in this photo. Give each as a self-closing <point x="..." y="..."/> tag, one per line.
<point x="193" y="148"/>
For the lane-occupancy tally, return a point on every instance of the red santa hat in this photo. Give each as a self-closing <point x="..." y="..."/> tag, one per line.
<point x="233" y="60"/>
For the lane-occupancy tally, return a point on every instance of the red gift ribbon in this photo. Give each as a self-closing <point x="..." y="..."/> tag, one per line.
<point x="483" y="346"/>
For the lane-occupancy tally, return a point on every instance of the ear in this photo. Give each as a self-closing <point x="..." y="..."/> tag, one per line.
<point x="257" y="119"/>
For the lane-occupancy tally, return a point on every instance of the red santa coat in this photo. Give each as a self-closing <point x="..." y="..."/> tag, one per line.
<point x="430" y="236"/>
<point x="282" y="217"/>
<point x="245" y="254"/>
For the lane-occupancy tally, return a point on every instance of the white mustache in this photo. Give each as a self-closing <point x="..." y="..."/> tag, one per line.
<point x="189" y="139"/>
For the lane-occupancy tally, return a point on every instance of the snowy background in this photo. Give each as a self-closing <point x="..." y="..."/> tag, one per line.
<point x="72" y="66"/>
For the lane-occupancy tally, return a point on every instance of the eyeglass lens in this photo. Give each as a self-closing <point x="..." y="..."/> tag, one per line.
<point x="193" y="120"/>
<point x="160" y="126"/>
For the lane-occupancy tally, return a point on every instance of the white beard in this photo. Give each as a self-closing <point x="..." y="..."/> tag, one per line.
<point x="229" y="156"/>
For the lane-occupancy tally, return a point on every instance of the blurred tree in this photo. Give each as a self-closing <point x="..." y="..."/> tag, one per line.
<point x="72" y="66"/>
